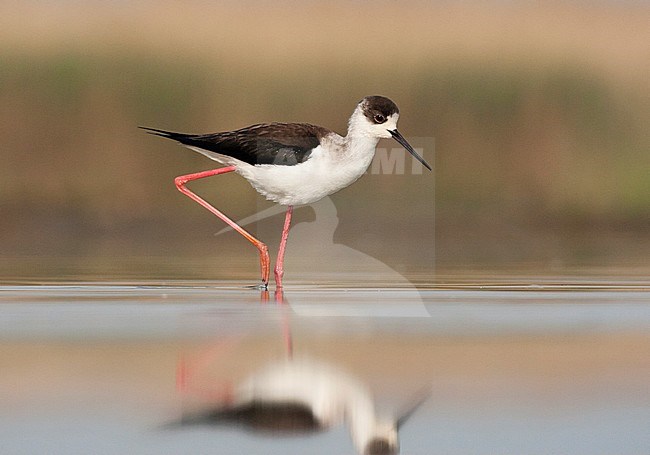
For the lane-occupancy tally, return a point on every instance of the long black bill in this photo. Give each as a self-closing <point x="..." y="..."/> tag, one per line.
<point x="399" y="138"/>
<point x="419" y="399"/>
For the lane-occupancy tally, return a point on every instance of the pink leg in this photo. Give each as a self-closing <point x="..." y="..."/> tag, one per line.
<point x="278" y="296"/>
<point x="180" y="181"/>
<point x="286" y="334"/>
<point x="279" y="263"/>
<point x="192" y="377"/>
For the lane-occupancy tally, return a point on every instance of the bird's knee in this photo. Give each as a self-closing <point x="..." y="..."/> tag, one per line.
<point x="264" y="250"/>
<point x="180" y="181"/>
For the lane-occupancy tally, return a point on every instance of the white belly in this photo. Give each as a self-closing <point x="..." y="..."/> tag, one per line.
<point x="307" y="182"/>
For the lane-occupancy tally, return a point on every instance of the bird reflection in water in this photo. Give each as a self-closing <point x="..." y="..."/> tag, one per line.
<point x="296" y="396"/>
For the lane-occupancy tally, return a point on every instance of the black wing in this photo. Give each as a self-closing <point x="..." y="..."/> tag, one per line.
<point x="284" y="144"/>
<point x="264" y="417"/>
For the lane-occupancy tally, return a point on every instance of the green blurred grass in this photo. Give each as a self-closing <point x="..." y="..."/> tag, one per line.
<point x="500" y="126"/>
<point x="560" y="140"/>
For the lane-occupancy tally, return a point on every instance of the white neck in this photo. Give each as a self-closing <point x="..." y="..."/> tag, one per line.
<point x="359" y="144"/>
<point x="358" y="125"/>
<point x="364" y="424"/>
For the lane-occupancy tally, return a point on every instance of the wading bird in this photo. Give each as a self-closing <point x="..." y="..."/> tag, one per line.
<point x="293" y="163"/>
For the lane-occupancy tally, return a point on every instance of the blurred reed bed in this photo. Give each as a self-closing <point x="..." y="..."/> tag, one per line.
<point x="540" y="116"/>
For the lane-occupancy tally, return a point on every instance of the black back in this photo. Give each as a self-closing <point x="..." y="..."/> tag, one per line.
<point x="284" y="144"/>
<point x="281" y="419"/>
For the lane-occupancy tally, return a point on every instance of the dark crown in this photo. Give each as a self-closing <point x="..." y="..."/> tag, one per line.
<point x="373" y="105"/>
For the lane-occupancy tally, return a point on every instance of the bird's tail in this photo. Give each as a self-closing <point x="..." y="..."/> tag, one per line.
<point x="198" y="142"/>
<point x="180" y="137"/>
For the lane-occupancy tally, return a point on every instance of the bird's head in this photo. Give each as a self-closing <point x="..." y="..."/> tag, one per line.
<point x="383" y="442"/>
<point x="376" y="117"/>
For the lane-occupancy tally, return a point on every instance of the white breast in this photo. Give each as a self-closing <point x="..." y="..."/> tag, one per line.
<point x="325" y="172"/>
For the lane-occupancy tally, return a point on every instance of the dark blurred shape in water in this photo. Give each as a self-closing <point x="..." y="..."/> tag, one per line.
<point x="537" y="369"/>
<point x="293" y="396"/>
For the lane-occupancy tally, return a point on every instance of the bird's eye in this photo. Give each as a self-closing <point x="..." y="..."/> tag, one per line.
<point x="379" y="118"/>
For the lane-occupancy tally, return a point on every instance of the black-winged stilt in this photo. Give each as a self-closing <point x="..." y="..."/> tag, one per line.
<point x="293" y="163"/>
<point x="290" y="396"/>
<point x="302" y="396"/>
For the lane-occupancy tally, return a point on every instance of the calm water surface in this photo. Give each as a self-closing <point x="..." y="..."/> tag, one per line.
<point x="196" y="368"/>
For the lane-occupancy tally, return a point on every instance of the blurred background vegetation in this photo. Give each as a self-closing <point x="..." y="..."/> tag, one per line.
<point x="540" y="115"/>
